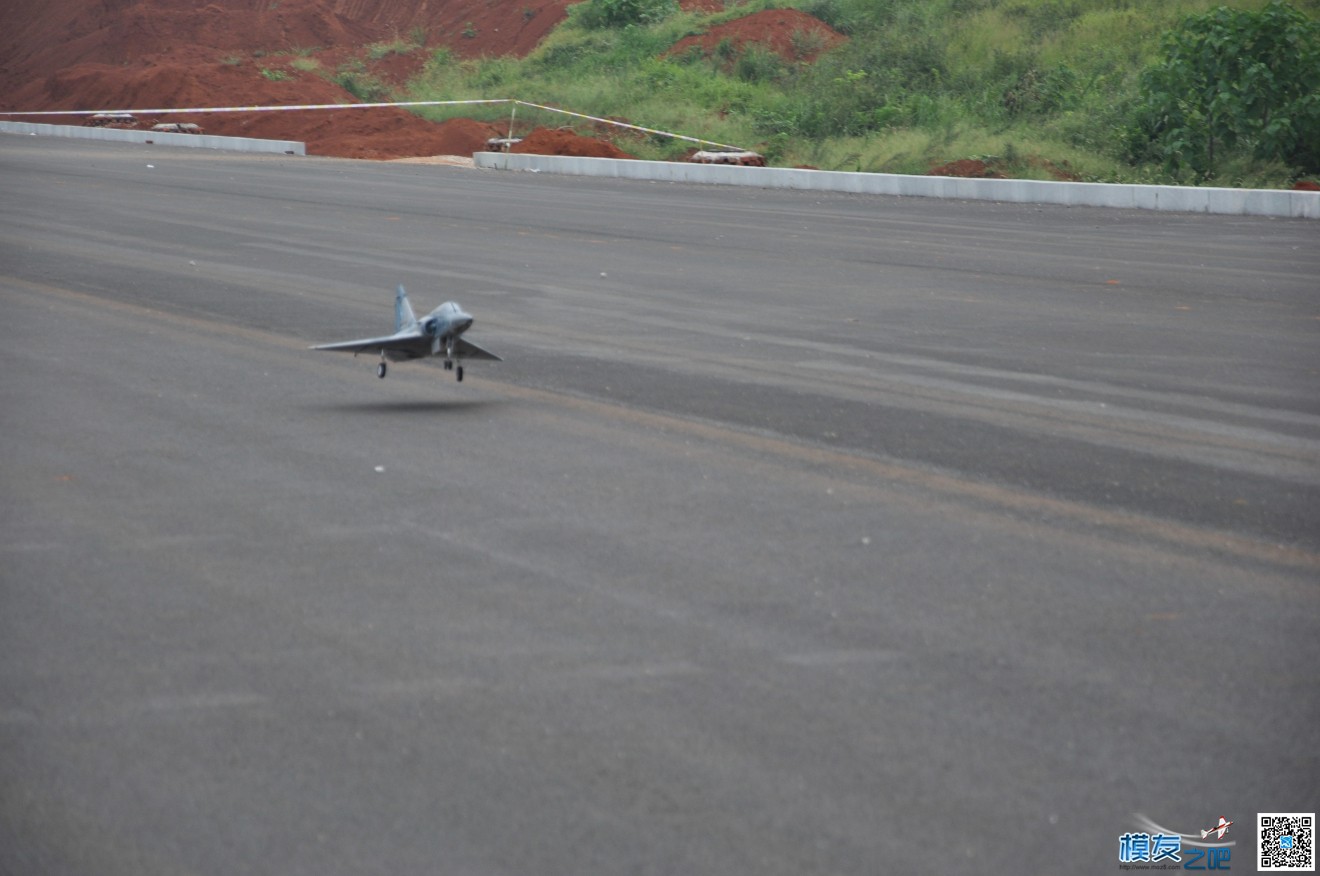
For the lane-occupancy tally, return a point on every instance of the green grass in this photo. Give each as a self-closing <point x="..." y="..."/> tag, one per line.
<point x="397" y="46"/>
<point x="919" y="83"/>
<point x="353" y="77"/>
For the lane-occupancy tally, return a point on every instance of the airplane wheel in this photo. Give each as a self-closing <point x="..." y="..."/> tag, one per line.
<point x="459" y="374"/>
<point x="380" y="370"/>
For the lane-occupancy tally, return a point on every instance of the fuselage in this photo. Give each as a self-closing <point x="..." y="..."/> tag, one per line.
<point x="446" y="322"/>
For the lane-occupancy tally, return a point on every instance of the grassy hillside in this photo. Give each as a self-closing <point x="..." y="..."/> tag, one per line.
<point x="1037" y="88"/>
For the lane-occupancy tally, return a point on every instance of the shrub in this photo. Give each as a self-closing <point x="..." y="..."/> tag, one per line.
<point x="1231" y="81"/>
<point x="595" y="14"/>
<point x="806" y="43"/>
<point x="1041" y="92"/>
<point x="758" y="64"/>
<point x="376" y="51"/>
<point x="356" y="81"/>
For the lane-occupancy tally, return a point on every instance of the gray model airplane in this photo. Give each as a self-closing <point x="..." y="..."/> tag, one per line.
<point x="439" y="334"/>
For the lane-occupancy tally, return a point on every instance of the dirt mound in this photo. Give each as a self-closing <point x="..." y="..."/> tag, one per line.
<point x="378" y="134"/>
<point x="999" y="168"/>
<point x="125" y="54"/>
<point x="793" y="35"/>
<point x="558" y="141"/>
<point x="967" y="167"/>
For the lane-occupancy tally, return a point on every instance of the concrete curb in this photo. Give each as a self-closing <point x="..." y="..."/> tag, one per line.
<point x="197" y="141"/>
<point x="1182" y="199"/>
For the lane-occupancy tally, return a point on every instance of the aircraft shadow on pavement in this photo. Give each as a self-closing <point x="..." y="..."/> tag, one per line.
<point x="410" y="408"/>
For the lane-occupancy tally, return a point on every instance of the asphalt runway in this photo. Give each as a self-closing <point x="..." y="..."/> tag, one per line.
<point x="797" y="534"/>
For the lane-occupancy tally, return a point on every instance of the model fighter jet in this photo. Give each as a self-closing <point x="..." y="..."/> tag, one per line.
<point x="439" y="334"/>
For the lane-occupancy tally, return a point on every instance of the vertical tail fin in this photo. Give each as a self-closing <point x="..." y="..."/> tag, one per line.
<point x="404" y="318"/>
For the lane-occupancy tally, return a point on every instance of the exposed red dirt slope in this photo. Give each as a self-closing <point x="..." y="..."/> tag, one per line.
<point x="793" y="35"/>
<point x="125" y="54"/>
<point x="43" y="36"/>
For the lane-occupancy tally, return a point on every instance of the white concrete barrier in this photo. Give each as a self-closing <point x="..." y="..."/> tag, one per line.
<point x="197" y="141"/>
<point x="1184" y="199"/>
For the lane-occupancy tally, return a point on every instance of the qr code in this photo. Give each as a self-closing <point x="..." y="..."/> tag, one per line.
<point x="1287" y="842"/>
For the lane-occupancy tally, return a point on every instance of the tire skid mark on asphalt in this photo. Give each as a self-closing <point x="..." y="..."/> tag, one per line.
<point x="1041" y="510"/>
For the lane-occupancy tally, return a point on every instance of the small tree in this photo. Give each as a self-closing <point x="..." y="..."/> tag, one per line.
<point x="621" y="13"/>
<point x="1233" y="81"/>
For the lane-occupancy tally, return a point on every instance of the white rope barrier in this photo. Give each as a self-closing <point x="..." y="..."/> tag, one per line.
<point x="345" y="106"/>
<point x="631" y="127"/>
<point x="252" y="109"/>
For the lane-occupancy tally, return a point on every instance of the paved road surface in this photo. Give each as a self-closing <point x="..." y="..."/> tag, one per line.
<point x="797" y="534"/>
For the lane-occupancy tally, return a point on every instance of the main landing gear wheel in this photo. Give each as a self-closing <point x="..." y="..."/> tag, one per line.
<point x="381" y="369"/>
<point x="459" y="373"/>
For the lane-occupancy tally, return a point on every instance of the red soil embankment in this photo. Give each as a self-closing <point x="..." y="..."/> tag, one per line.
<point x="790" y="33"/>
<point x="112" y="54"/>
